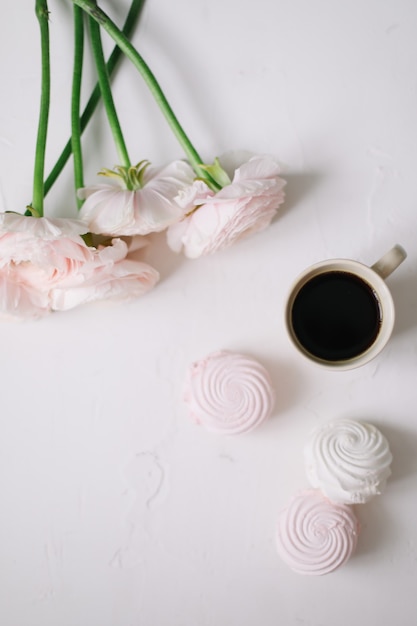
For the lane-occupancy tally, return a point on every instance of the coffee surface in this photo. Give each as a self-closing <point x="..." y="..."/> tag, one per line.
<point x="336" y="316"/>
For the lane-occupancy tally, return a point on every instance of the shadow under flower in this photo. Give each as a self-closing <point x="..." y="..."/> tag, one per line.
<point x="161" y="257"/>
<point x="299" y="185"/>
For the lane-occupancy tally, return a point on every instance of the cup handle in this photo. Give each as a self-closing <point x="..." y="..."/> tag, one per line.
<point x="390" y="261"/>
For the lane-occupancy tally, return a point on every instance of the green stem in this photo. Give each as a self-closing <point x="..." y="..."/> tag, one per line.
<point x="42" y="13"/>
<point x="106" y="93"/>
<point x="75" y="101"/>
<point x="90" y="7"/>
<point x="134" y="13"/>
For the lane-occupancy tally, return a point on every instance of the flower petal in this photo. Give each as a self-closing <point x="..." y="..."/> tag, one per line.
<point x="217" y="220"/>
<point x="40" y="274"/>
<point x="106" y="206"/>
<point x="110" y="210"/>
<point x="42" y="227"/>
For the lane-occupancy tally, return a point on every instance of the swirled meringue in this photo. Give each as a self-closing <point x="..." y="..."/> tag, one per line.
<point x="348" y="460"/>
<point x="228" y="393"/>
<point x="314" y="535"/>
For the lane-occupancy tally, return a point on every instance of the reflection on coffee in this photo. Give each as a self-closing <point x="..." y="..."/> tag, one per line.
<point x="336" y="316"/>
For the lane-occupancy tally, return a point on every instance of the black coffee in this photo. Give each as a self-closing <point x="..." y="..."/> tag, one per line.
<point x="336" y="316"/>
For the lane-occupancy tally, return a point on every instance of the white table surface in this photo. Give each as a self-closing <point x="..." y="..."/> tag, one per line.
<point x="116" y="510"/>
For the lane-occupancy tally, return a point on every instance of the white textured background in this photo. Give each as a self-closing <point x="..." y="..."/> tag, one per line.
<point x="115" y="509"/>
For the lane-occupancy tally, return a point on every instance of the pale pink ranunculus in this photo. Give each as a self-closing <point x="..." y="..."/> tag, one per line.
<point x="217" y="220"/>
<point x="111" y="209"/>
<point x="45" y="265"/>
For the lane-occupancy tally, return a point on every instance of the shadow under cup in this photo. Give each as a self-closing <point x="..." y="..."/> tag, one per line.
<point x="340" y="314"/>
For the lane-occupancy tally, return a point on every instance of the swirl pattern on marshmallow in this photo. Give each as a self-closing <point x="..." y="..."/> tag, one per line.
<point x="228" y="393"/>
<point x="348" y="460"/>
<point x="314" y="535"/>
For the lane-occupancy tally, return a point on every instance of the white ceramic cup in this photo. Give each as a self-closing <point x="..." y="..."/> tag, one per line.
<point x="340" y="313"/>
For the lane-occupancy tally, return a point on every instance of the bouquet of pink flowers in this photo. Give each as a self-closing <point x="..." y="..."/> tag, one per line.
<point x="50" y="264"/>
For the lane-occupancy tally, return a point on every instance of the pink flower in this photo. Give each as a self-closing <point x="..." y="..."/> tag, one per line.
<point x="216" y="220"/>
<point x="147" y="206"/>
<point x="46" y="266"/>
